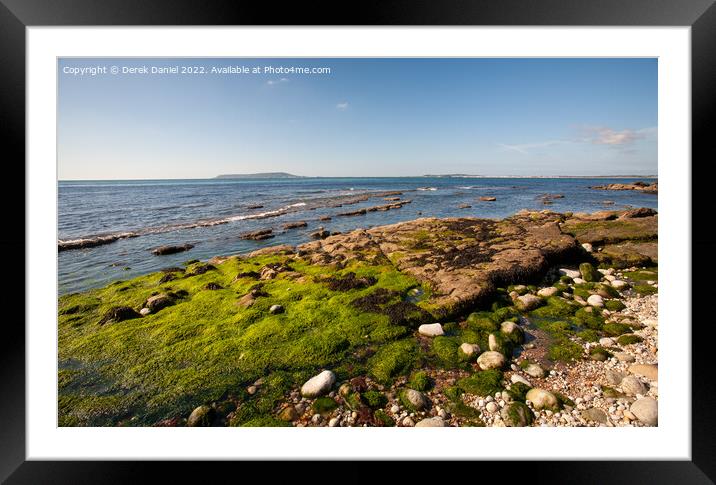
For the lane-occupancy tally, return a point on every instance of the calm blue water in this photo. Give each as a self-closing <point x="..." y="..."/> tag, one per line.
<point x="212" y="214"/>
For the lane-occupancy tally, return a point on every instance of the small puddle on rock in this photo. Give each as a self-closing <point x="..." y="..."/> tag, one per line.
<point x="415" y="295"/>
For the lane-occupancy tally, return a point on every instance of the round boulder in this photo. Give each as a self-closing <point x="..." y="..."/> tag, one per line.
<point x="491" y="360"/>
<point x="528" y="302"/>
<point x="319" y="384"/>
<point x="633" y="386"/>
<point x="542" y="399"/>
<point x="417" y="399"/>
<point x="595" y="301"/>
<point x="516" y="414"/>
<point x="646" y="410"/>
<point x="201" y="416"/>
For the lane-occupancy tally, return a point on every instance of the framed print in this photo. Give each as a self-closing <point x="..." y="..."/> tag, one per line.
<point x="294" y="241"/>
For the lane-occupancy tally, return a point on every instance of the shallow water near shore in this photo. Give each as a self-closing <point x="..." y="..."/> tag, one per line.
<point x="212" y="214"/>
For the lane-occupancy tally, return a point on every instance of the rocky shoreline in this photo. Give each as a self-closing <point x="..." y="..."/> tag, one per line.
<point x="539" y="319"/>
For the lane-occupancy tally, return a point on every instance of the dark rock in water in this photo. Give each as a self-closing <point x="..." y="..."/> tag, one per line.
<point x="163" y="250"/>
<point x="157" y="302"/>
<point x="92" y="242"/>
<point x="464" y="206"/>
<point x="652" y="188"/>
<point x="294" y="225"/>
<point x="257" y="206"/>
<point x="487" y="199"/>
<point x="324" y="218"/>
<point x="213" y="286"/>
<point x="320" y="234"/>
<point x="119" y="314"/>
<point x="641" y="212"/>
<point x="259" y="235"/>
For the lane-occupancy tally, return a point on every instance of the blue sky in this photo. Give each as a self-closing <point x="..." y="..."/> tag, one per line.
<point x="367" y="117"/>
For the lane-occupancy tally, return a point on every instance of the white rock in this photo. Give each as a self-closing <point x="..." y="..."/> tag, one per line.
<point x="578" y="281"/>
<point x="435" y="422"/>
<point x="395" y="409"/>
<point x="651" y="322"/>
<point x="417" y="399"/>
<point x="492" y="343"/>
<point x="318" y="385"/>
<point x="145" y="311"/>
<point x="541" y="399"/>
<point x="587" y="247"/>
<point x="491" y="360"/>
<point x="333" y="422"/>
<point x="646" y="410"/>
<point x="515" y="378"/>
<point x="431" y="329"/>
<point x="276" y="309"/>
<point x="619" y="284"/>
<point x="547" y="292"/>
<point x="491" y="407"/>
<point x="607" y="341"/>
<point x="528" y="302"/>
<point x="609" y="277"/>
<point x="470" y="349"/>
<point x="572" y="273"/>
<point x="408" y="421"/>
<point x="595" y="301"/>
<point x="534" y="370"/>
<point x="632" y="386"/>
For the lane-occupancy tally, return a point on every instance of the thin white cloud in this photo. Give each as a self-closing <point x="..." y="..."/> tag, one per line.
<point x="342" y="106"/>
<point x="273" y="82"/>
<point x="524" y="148"/>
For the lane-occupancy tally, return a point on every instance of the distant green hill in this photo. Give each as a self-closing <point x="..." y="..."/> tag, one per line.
<point x="267" y="175"/>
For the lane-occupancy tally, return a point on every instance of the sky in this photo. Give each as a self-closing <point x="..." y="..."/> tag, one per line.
<point x="356" y="117"/>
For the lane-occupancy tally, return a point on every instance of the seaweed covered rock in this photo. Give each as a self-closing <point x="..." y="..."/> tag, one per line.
<point x="516" y="414"/>
<point x="119" y="314"/>
<point x="201" y="416"/>
<point x="157" y="302"/>
<point x="528" y="302"/>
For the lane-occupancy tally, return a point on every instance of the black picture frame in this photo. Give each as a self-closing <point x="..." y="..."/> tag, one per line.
<point x="16" y="15"/>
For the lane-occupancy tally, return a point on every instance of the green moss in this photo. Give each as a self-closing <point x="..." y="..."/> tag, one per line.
<point x="590" y="319"/>
<point x="643" y="275"/>
<point x="420" y="381"/>
<point x="324" y="405"/>
<point x="645" y="289"/>
<point x="589" y="273"/>
<point x="508" y="313"/>
<point x="459" y="408"/>
<point x="445" y="351"/>
<point x="616" y="329"/>
<point x="393" y="359"/>
<point x="564" y="350"/>
<point x="484" y="383"/>
<point x="588" y="335"/>
<point x="453" y="393"/>
<point x="265" y="422"/>
<point x="629" y="339"/>
<point x="384" y="418"/>
<point x="482" y="321"/>
<point x="610" y="392"/>
<point x="565" y="279"/>
<point x="205" y="345"/>
<point x="520" y="289"/>
<point x="354" y="400"/>
<point x="614" y="305"/>
<point x="518" y="391"/>
<point x="606" y="291"/>
<point x="375" y="399"/>
<point x="556" y="307"/>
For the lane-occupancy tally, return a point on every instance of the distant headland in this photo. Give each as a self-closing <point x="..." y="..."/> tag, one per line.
<point x="266" y="175"/>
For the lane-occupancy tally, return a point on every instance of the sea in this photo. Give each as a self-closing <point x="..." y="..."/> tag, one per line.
<point x="138" y="216"/>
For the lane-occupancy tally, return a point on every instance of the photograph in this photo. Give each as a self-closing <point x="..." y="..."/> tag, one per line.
<point x="357" y="242"/>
